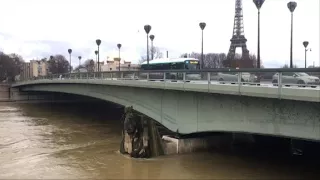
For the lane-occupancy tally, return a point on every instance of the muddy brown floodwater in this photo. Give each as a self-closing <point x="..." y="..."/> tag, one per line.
<point x="70" y="141"/>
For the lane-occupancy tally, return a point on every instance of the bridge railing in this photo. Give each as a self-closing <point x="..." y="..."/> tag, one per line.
<point x="295" y="77"/>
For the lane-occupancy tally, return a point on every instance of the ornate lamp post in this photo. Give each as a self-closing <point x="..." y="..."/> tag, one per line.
<point x="98" y="41"/>
<point x="96" y="53"/>
<point x="258" y="4"/>
<point x="202" y="26"/>
<point x="70" y="51"/>
<point x="292" y="6"/>
<point x="147" y="29"/>
<point x="79" y="57"/>
<point x="305" y="44"/>
<point x="119" y="47"/>
<point x="152" y="49"/>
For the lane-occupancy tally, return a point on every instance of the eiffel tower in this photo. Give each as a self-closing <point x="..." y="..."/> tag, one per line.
<point x="238" y="40"/>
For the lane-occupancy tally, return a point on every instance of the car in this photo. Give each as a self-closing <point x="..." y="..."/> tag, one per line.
<point x="296" y="78"/>
<point x="233" y="77"/>
<point x="247" y="77"/>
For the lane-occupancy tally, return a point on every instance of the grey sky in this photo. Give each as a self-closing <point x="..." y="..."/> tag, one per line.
<point x="36" y="28"/>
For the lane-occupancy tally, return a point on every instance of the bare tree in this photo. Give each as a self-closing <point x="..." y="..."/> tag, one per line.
<point x="216" y="60"/>
<point x="156" y="54"/>
<point x="10" y="66"/>
<point x="211" y="60"/>
<point x="58" y="64"/>
<point x="77" y="68"/>
<point x="89" y="65"/>
<point x="287" y="66"/>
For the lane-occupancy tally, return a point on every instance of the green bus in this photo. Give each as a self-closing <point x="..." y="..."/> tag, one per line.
<point x="172" y="64"/>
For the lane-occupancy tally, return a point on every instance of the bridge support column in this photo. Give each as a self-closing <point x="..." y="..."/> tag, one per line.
<point x="296" y="147"/>
<point x="196" y="144"/>
<point x="242" y="140"/>
<point x="140" y="136"/>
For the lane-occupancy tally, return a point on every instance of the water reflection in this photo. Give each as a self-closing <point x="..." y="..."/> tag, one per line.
<point x="70" y="141"/>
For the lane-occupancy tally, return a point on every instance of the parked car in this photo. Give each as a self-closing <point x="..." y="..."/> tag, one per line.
<point x="233" y="77"/>
<point x="249" y="77"/>
<point x="296" y="78"/>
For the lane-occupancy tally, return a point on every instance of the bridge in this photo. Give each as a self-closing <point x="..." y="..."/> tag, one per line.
<point x="184" y="103"/>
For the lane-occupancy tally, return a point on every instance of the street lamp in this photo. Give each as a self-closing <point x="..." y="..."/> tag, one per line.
<point x="70" y="51"/>
<point x="292" y="6"/>
<point x="202" y="26"/>
<point x="98" y="41"/>
<point x="147" y="28"/>
<point x="119" y="47"/>
<point x="96" y="53"/>
<point x="258" y="4"/>
<point x="152" y="38"/>
<point x="79" y="57"/>
<point x="305" y="44"/>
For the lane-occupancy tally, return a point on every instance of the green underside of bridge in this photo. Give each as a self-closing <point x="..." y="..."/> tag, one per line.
<point x="190" y="112"/>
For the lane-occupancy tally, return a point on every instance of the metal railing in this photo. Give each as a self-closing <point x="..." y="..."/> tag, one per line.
<point x="295" y="77"/>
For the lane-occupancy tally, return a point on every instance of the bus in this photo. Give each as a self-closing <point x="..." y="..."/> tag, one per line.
<point x="173" y="64"/>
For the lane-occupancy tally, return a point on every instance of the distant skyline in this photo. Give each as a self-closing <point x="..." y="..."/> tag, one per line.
<point x="38" y="28"/>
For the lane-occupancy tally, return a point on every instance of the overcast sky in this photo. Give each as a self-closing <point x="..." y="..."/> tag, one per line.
<point x="37" y="28"/>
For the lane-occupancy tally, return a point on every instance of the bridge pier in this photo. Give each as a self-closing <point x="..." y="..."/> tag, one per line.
<point x="182" y="145"/>
<point x="296" y="147"/>
<point x="140" y="136"/>
<point x="141" y="139"/>
<point x="242" y="139"/>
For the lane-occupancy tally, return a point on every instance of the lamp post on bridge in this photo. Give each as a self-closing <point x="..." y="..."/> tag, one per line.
<point x="202" y="26"/>
<point x="98" y="42"/>
<point x="96" y="53"/>
<point x="305" y="44"/>
<point x="119" y="47"/>
<point x="292" y="6"/>
<point x="258" y="4"/>
<point x="79" y="57"/>
<point x="152" y="49"/>
<point x="70" y="51"/>
<point x="147" y="29"/>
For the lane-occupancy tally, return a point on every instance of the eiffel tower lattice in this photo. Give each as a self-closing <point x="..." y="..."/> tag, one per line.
<point x="238" y="39"/>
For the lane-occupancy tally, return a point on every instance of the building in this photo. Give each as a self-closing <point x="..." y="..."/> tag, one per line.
<point x="101" y="63"/>
<point x="112" y="64"/>
<point x="26" y="72"/>
<point x="34" y="68"/>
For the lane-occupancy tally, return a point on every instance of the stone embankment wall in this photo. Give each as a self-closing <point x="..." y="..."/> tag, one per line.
<point x="4" y="92"/>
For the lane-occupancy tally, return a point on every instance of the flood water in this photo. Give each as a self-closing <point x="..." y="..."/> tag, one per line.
<point x="70" y="141"/>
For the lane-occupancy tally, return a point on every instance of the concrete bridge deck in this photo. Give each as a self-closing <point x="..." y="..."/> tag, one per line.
<point x="267" y="90"/>
<point x="200" y="106"/>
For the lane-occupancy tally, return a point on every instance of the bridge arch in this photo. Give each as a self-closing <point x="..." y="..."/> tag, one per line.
<point x="110" y="94"/>
<point x="190" y="112"/>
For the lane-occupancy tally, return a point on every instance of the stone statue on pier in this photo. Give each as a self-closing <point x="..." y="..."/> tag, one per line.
<point x="134" y="135"/>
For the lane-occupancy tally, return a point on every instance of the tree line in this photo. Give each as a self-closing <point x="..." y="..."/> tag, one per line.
<point x="210" y="60"/>
<point x="88" y="65"/>
<point x="10" y="66"/>
<point x="58" y="64"/>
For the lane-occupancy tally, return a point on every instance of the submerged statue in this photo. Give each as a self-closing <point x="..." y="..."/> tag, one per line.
<point x="133" y="140"/>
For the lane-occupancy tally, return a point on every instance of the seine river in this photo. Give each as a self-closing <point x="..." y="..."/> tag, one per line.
<point x="71" y="141"/>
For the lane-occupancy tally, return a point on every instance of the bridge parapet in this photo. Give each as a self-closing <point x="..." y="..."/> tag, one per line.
<point x="292" y="84"/>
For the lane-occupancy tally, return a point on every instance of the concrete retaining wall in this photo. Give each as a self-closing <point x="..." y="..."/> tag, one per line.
<point x="4" y="92"/>
<point x="189" y="145"/>
<point x="179" y="146"/>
